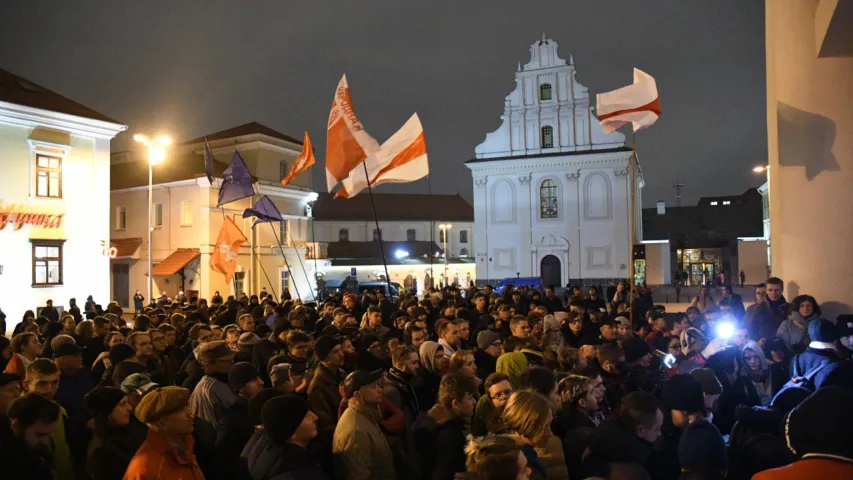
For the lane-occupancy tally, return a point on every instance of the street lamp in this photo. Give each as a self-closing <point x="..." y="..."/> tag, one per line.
<point x="761" y="168"/>
<point x="445" y="231"/>
<point x="156" y="154"/>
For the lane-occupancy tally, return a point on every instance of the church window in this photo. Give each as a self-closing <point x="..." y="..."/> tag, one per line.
<point x="548" y="199"/>
<point x="545" y="91"/>
<point x="547" y="136"/>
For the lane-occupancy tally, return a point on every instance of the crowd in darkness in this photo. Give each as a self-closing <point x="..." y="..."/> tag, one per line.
<point x="464" y="383"/>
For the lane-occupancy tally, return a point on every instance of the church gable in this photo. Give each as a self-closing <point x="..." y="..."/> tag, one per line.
<point x="549" y="112"/>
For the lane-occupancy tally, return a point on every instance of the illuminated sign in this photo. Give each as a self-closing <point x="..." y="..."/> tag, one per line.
<point x="111" y="252"/>
<point x="21" y="214"/>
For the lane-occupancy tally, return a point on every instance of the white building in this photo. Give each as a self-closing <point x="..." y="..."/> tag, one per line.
<point x="551" y="190"/>
<point x="187" y="222"/>
<point x="54" y="198"/>
<point x="346" y="238"/>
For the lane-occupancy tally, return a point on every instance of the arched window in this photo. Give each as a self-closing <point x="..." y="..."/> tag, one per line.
<point x="545" y="91"/>
<point x="548" y="199"/>
<point x="547" y="136"/>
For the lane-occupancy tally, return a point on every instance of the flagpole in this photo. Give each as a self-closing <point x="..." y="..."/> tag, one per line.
<point x="298" y="257"/>
<point x="283" y="257"/>
<point x="431" y="241"/>
<point x="378" y="230"/>
<point x="316" y="248"/>
<point x="631" y="214"/>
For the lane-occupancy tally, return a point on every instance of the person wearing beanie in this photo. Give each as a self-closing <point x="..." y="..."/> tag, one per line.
<point x="247" y="342"/>
<point x="117" y="434"/>
<point x="10" y="389"/>
<point x="74" y="383"/>
<point x="489" y="348"/>
<point x="819" y="432"/>
<point x="324" y="391"/>
<point x="213" y="395"/>
<point x="168" y="450"/>
<point x="702" y="452"/>
<point x="235" y="427"/>
<point x="711" y="387"/>
<point x="281" y="450"/>
<point x="822" y="357"/>
<point x="682" y="394"/>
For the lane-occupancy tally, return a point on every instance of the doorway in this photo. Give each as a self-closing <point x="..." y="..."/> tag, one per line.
<point x="121" y="284"/>
<point x="550" y="271"/>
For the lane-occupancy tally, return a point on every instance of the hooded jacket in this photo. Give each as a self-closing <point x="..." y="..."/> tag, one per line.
<point x="794" y="331"/>
<point x="441" y="444"/>
<point x="268" y="460"/>
<point x="614" y="442"/>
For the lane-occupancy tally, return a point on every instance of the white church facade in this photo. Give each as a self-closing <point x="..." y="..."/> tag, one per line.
<point x="552" y="193"/>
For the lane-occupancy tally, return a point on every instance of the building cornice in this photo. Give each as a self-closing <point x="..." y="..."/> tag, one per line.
<point x="24" y="116"/>
<point x="525" y="165"/>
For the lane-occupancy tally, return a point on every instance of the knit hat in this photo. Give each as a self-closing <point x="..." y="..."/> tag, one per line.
<point x="120" y="352"/>
<point x="103" y="400"/>
<point x="514" y="365"/>
<point x="324" y="346"/>
<point x="282" y="415"/>
<point x="256" y="404"/>
<point x="702" y="449"/>
<point x="366" y="341"/>
<point x="822" y="424"/>
<point x="822" y="330"/>
<point x="248" y="339"/>
<point x="683" y="392"/>
<point x="240" y="374"/>
<point x="67" y="349"/>
<point x="6" y="378"/>
<point x="635" y="349"/>
<point x="138" y="383"/>
<point x="710" y="383"/>
<point x="486" y="338"/>
<point x="280" y="374"/>
<point x="160" y="402"/>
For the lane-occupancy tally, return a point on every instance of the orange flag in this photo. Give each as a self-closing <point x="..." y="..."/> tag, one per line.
<point x="347" y="142"/>
<point x="224" y="257"/>
<point x="303" y="162"/>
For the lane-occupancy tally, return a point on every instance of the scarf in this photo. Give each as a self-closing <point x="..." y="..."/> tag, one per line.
<point x="402" y="382"/>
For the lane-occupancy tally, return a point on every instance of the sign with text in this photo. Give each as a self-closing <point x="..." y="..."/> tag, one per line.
<point x="20" y="214"/>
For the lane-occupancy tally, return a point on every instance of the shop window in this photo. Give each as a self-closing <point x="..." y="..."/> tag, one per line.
<point x="47" y="262"/>
<point x="48" y="176"/>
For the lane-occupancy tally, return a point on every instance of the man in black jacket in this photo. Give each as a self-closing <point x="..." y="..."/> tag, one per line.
<point x="235" y="428"/>
<point x="823" y="353"/>
<point x="24" y="436"/>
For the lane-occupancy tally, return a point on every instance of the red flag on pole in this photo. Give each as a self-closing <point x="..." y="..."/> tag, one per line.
<point x="303" y="162"/>
<point x="227" y="248"/>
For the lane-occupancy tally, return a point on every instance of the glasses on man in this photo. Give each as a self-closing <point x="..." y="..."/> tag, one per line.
<point x="503" y="394"/>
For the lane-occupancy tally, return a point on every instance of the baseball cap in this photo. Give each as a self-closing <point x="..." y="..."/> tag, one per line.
<point x="360" y="378"/>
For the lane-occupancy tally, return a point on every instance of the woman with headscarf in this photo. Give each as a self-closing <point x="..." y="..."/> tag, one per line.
<point x="514" y="365"/>
<point x="435" y="363"/>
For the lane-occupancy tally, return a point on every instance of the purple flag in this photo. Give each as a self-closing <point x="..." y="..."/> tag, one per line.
<point x="208" y="161"/>
<point x="237" y="183"/>
<point x="264" y="210"/>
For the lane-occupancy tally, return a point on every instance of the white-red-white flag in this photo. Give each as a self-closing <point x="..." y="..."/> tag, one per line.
<point x="637" y="104"/>
<point x="402" y="158"/>
<point x="347" y="142"/>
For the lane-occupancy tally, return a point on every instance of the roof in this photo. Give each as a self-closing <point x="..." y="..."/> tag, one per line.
<point x="125" y="247"/>
<point x="394" y="207"/>
<point x="414" y="249"/>
<point x="245" y="129"/>
<point x="544" y="155"/>
<point x="20" y="91"/>
<point x="175" y="262"/>
<point x="135" y="173"/>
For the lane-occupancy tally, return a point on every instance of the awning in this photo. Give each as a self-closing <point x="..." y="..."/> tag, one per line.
<point x="175" y="262"/>
<point x="125" y="247"/>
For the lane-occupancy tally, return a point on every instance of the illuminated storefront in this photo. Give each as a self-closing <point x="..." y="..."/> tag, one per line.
<point x="54" y="199"/>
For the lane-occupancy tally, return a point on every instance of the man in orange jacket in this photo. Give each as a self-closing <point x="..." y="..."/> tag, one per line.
<point x="168" y="450"/>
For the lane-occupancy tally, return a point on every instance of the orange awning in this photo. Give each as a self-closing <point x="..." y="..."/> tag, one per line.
<point x="125" y="247"/>
<point x="176" y="261"/>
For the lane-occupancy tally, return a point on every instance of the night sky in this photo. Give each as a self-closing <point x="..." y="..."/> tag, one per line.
<point x="188" y="68"/>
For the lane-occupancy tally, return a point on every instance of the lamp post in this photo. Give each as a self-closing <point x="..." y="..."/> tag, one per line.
<point x="156" y="154"/>
<point x="445" y="231"/>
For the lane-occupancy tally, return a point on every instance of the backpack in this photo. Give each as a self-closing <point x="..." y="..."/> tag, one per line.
<point x="805" y="380"/>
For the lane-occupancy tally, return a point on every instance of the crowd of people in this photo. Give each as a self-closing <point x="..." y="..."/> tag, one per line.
<point x="462" y="383"/>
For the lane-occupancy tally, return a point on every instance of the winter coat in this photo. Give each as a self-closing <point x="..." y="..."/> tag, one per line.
<point x="794" y="331"/>
<point x="809" y="468"/>
<point x="614" y="442"/>
<point x="70" y="394"/>
<point x="553" y="459"/>
<point x="211" y="398"/>
<point x="486" y="364"/>
<point x="575" y="429"/>
<point x="109" y="455"/>
<point x="234" y="430"/>
<point x="157" y="458"/>
<point x="268" y="460"/>
<point x="756" y="388"/>
<point x="360" y="449"/>
<point x="441" y="443"/>
<point x="482" y="416"/>
<point x="838" y="373"/>
<point x="20" y="461"/>
<point x="324" y="393"/>
<point x="399" y="391"/>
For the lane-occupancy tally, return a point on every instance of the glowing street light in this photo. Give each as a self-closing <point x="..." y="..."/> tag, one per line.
<point x="761" y="168"/>
<point x="401" y="254"/>
<point x="156" y="154"/>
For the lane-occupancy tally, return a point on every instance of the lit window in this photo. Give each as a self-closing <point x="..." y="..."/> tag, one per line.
<point x="121" y="218"/>
<point x="48" y="176"/>
<point x="463" y="236"/>
<point x="714" y="203"/>
<point x="285" y="282"/>
<point x="47" y="262"/>
<point x="547" y="136"/>
<point x="545" y="91"/>
<point x="548" y="199"/>
<point x="158" y="215"/>
<point x="239" y="282"/>
<point x="727" y="202"/>
<point x="343" y="235"/>
<point x="411" y="235"/>
<point x="186" y="214"/>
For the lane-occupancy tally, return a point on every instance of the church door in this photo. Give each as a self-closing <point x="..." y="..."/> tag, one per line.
<point x="550" y="271"/>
